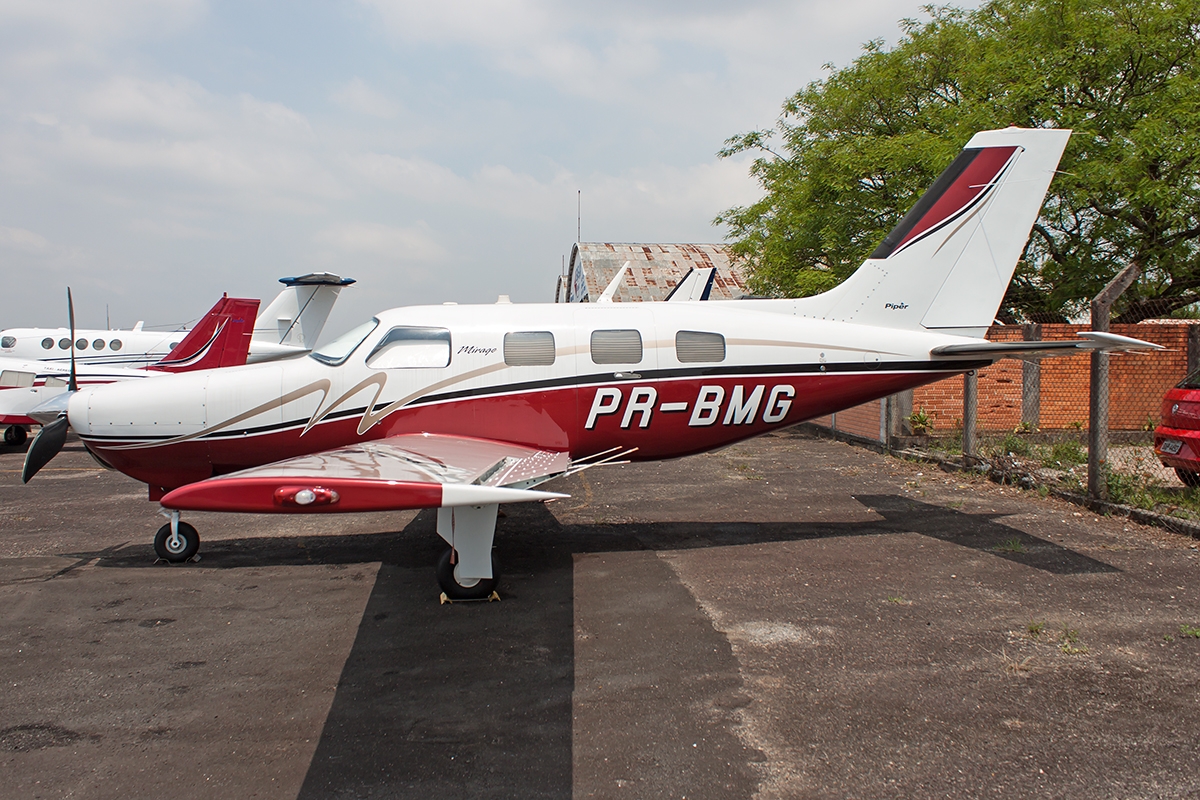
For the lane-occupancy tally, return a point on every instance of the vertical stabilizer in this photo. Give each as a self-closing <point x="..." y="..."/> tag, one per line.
<point x="297" y="315"/>
<point x="221" y="339"/>
<point x="696" y="285"/>
<point x="948" y="263"/>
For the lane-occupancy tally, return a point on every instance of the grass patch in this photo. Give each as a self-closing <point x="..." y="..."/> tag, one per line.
<point x="1190" y="631"/>
<point x="1066" y="453"/>
<point x="1012" y="545"/>
<point x="1070" y="643"/>
<point x="1015" y="445"/>
<point x="1035" y="628"/>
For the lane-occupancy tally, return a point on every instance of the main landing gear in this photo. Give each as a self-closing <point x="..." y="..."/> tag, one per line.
<point x="15" y="435"/>
<point x="176" y="541"/>
<point x="467" y="571"/>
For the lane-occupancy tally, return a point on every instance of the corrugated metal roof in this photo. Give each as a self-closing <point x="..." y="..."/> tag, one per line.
<point x="654" y="270"/>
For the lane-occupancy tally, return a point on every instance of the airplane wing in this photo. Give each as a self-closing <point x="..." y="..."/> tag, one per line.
<point x="401" y="472"/>
<point x="1089" y="341"/>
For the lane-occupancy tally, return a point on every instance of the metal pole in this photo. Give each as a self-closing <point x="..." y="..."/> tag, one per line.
<point x="1098" y="402"/>
<point x="970" y="415"/>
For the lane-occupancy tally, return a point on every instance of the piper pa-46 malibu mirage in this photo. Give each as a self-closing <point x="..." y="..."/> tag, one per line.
<point x="461" y="408"/>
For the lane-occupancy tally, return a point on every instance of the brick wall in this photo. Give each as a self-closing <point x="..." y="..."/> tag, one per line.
<point x="1137" y="382"/>
<point x="860" y="420"/>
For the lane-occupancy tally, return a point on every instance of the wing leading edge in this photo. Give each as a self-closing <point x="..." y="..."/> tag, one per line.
<point x="402" y="472"/>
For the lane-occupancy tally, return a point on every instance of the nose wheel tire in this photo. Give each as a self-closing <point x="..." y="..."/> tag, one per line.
<point x="178" y="547"/>
<point x="15" y="435"/>
<point x="457" y="588"/>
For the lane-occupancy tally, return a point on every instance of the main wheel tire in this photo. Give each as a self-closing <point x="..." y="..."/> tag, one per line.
<point x="1188" y="477"/>
<point x="176" y="549"/>
<point x="472" y="590"/>
<point x="15" y="435"/>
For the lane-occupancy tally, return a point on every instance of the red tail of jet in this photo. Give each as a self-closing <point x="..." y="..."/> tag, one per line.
<point x="221" y="339"/>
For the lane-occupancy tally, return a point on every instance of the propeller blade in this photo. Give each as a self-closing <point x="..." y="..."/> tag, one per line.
<point x="46" y="444"/>
<point x="72" y="385"/>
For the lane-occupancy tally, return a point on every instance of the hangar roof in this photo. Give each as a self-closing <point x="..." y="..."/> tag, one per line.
<point x="654" y="270"/>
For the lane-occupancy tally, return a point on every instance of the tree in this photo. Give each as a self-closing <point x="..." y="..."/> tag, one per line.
<point x="850" y="154"/>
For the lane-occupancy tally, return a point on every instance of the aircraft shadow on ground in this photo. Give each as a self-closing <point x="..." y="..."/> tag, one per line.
<point x="475" y="699"/>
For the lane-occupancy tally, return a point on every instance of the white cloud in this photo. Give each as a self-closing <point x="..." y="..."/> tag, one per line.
<point x="413" y="244"/>
<point x="101" y="19"/>
<point x="359" y="97"/>
<point x="23" y="240"/>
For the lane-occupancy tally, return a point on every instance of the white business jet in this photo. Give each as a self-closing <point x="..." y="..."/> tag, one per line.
<point x="462" y="408"/>
<point x="290" y="325"/>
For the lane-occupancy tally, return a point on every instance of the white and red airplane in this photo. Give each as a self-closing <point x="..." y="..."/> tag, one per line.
<point x="289" y="325"/>
<point x="221" y="339"/>
<point x="461" y="408"/>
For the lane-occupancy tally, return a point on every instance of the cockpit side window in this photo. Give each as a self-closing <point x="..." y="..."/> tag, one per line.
<point x="337" y="351"/>
<point x="411" y="347"/>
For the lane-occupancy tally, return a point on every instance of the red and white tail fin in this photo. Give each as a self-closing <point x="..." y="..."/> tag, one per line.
<point x="221" y="339"/>
<point x="948" y="263"/>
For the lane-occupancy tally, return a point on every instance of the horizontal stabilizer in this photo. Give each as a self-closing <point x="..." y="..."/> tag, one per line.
<point x="1089" y="341"/>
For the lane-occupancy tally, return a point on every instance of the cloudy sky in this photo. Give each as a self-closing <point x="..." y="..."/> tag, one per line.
<point x="155" y="153"/>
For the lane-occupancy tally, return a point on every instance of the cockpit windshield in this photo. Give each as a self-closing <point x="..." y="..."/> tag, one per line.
<point x="340" y="348"/>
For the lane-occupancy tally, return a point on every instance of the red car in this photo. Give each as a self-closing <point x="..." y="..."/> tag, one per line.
<point x="1177" y="438"/>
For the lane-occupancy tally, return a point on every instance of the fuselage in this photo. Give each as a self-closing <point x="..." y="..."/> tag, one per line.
<point x="668" y="379"/>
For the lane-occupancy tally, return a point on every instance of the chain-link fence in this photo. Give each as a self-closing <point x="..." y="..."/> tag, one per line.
<point x="1033" y="421"/>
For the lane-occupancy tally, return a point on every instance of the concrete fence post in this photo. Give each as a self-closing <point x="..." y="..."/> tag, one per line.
<point x="1031" y="381"/>
<point x="1098" y="401"/>
<point x="970" y="415"/>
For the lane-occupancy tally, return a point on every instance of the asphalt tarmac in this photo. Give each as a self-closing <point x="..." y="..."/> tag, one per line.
<point x="787" y="618"/>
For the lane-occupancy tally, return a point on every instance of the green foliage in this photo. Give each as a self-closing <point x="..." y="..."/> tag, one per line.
<point x="1064" y="454"/>
<point x="1013" y="545"/>
<point x="1190" y="631"/>
<point x="920" y="421"/>
<point x="1012" y="444"/>
<point x="1035" y="628"/>
<point x="850" y="154"/>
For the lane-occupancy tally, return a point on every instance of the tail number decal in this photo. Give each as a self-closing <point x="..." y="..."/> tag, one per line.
<point x="741" y="407"/>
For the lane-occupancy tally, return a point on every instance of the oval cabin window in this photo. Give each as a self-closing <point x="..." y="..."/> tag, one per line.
<point x="529" y="349"/>
<point x="616" y="347"/>
<point x="698" y="347"/>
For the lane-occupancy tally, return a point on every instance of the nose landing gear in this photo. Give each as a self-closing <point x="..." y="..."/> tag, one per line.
<point x="176" y="541"/>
